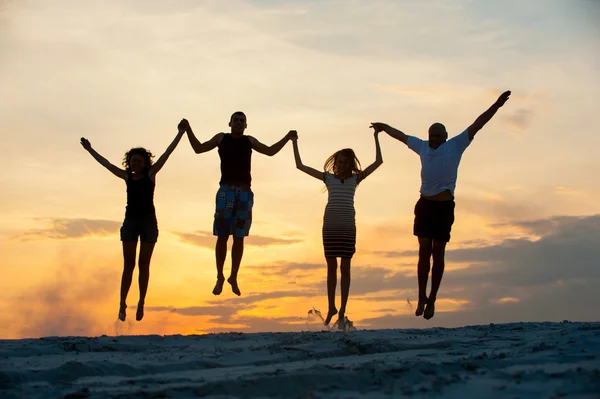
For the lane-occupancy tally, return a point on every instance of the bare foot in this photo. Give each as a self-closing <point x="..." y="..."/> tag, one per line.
<point x="429" y="310"/>
<point x="341" y="322"/>
<point x="421" y="307"/>
<point x="234" y="286"/>
<point x="219" y="286"/>
<point x="139" y="315"/>
<point x="330" y="314"/>
<point x="122" y="314"/>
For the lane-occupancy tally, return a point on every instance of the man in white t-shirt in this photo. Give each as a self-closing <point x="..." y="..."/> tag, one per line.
<point x="434" y="211"/>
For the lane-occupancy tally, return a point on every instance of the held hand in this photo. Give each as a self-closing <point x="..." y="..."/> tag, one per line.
<point x="503" y="98"/>
<point x="183" y="126"/>
<point x="378" y="126"/>
<point x="86" y="144"/>
<point x="292" y="135"/>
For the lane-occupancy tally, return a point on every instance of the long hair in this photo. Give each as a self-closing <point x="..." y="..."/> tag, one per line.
<point x="331" y="164"/>
<point x="144" y="153"/>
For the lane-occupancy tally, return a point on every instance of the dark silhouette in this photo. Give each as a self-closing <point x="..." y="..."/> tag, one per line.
<point x="342" y="174"/>
<point x="140" y="215"/>
<point x="434" y="211"/>
<point x="234" y="200"/>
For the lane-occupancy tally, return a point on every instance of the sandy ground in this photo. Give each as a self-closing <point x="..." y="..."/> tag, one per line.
<point x="519" y="360"/>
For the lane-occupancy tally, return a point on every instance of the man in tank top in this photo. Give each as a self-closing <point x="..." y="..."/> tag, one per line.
<point x="234" y="200"/>
<point x="434" y="211"/>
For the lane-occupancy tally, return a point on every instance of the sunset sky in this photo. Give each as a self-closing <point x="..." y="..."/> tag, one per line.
<point x="526" y="241"/>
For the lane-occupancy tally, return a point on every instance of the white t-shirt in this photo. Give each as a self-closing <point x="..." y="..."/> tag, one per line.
<point x="439" y="167"/>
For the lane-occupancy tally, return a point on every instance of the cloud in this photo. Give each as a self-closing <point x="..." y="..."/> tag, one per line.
<point x="395" y="254"/>
<point x="229" y="313"/>
<point x="555" y="225"/>
<point x="251" y="299"/>
<point x="205" y="239"/>
<point x="552" y="302"/>
<point x="65" y="228"/>
<point x="499" y="207"/>
<point x="250" y="324"/>
<point x="287" y="269"/>
<point x="551" y="277"/>
<point x="566" y="250"/>
<point x="222" y="314"/>
<point x="520" y="119"/>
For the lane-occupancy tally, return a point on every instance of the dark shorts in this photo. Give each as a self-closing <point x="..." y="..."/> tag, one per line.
<point x="434" y="219"/>
<point x="233" y="211"/>
<point x="144" y="227"/>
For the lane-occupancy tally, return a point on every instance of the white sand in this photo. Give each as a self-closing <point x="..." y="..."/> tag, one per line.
<point x="523" y="360"/>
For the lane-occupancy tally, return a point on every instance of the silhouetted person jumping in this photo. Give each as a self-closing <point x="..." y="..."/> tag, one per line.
<point x="234" y="200"/>
<point x="342" y="174"/>
<point x="434" y="211"/>
<point x="140" y="215"/>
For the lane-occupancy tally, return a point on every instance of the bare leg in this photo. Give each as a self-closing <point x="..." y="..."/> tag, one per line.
<point x="345" y="283"/>
<point x="237" y="251"/>
<point x="146" y="249"/>
<point x="331" y="285"/>
<point x="439" y="249"/>
<point x="129" y="250"/>
<point x="423" y="268"/>
<point x="220" y="255"/>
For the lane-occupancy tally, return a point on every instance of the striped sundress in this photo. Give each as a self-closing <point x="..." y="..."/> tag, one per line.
<point x="339" y="223"/>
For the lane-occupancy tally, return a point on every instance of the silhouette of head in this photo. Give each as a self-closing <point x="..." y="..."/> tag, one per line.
<point x="137" y="160"/>
<point x="237" y="122"/>
<point x="437" y="135"/>
<point x="343" y="163"/>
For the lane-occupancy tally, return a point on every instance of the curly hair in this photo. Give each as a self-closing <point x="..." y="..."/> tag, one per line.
<point x="331" y="167"/>
<point x="144" y="153"/>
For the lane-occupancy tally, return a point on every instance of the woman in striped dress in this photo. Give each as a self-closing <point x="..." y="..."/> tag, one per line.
<point x="342" y="174"/>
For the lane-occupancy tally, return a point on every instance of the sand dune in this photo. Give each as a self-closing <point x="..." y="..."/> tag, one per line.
<point x="522" y="360"/>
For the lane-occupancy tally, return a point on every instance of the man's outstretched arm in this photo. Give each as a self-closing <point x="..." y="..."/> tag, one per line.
<point x="395" y="133"/>
<point x="487" y="115"/>
<point x="275" y="148"/>
<point x="196" y="144"/>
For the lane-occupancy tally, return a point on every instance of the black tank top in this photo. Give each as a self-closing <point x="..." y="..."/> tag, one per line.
<point x="235" y="156"/>
<point x="140" y="196"/>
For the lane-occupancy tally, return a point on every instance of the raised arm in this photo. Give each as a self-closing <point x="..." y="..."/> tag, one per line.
<point x="487" y="115"/>
<point x="157" y="166"/>
<point x="378" y="159"/>
<point x="395" y="133"/>
<point x="306" y="169"/>
<point x="199" y="147"/>
<point x="275" y="148"/>
<point x="103" y="161"/>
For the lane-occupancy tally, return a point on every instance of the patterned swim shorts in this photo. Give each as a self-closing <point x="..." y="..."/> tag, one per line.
<point x="233" y="213"/>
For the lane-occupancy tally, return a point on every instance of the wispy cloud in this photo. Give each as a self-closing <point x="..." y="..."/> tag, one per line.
<point x="252" y="299"/>
<point x="395" y="254"/>
<point x="205" y="239"/>
<point x="65" y="228"/>
<point x="220" y="313"/>
<point x="557" y="225"/>
<point x="287" y="269"/>
<point x="520" y="119"/>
